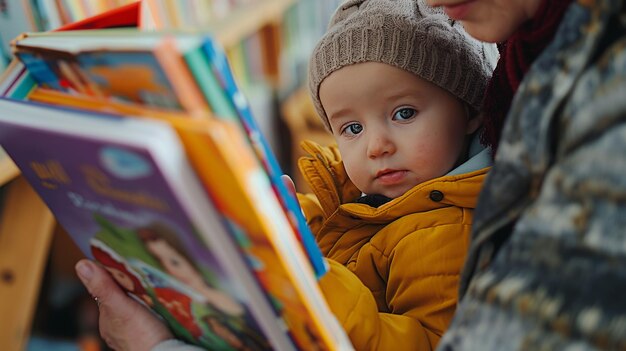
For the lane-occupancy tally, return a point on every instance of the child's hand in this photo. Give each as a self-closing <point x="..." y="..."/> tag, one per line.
<point x="289" y="184"/>
<point x="291" y="187"/>
<point x="124" y="323"/>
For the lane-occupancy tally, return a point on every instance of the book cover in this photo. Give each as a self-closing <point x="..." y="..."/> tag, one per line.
<point x="206" y="250"/>
<point x="99" y="63"/>
<point x="125" y="192"/>
<point x="16" y="82"/>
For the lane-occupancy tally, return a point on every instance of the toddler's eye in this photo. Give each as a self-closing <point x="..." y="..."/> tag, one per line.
<point x="404" y="114"/>
<point x="353" y="129"/>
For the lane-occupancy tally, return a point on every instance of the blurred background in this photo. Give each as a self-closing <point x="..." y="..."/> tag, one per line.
<point x="268" y="43"/>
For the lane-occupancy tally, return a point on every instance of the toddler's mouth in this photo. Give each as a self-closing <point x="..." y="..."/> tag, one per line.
<point x="390" y="176"/>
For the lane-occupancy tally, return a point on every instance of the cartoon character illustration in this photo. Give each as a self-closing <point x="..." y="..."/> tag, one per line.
<point x="176" y="298"/>
<point x="163" y="244"/>
<point x="123" y="255"/>
<point x="152" y="262"/>
<point x="227" y="318"/>
<point x="219" y="330"/>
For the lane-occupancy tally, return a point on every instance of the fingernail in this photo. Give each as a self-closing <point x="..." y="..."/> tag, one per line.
<point x="84" y="270"/>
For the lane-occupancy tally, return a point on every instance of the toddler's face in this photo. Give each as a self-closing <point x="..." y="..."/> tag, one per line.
<point x="394" y="130"/>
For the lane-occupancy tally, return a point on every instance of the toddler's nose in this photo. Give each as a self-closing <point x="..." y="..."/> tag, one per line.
<point x="380" y="145"/>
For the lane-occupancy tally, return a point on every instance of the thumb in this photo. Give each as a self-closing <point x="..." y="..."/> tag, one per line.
<point x="99" y="283"/>
<point x="124" y="323"/>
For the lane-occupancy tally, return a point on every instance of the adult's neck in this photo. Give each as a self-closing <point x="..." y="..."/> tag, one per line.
<point x="532" y="6"/>
<point x="516" y="57"/>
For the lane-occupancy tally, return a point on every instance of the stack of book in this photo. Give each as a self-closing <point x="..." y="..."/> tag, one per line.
<point x="146" y="151"/>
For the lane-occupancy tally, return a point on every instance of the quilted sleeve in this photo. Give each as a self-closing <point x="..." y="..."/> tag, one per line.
<point x="421" y="294"/>
<point x="312" y="212"/>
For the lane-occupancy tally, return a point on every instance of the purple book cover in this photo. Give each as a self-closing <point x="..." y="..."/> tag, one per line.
<point x="120" y="201"/>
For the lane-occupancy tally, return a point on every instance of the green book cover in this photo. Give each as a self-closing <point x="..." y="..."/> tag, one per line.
<point x="209" y="85"/>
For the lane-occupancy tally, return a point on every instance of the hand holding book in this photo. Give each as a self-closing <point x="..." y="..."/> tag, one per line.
<point x="124" y="323"/>
<point x="108" y="175"/>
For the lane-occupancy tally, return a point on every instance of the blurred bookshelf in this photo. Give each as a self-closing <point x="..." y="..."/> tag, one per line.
<point x="304" y="23"/>
<point x="18" y="16"/>
<point x="268" y="43"/>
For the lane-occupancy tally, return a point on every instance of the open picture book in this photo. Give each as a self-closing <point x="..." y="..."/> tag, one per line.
<point x="146" y="152"/>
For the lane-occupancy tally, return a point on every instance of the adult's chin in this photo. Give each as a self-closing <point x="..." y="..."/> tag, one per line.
<point x="488" y="33"/>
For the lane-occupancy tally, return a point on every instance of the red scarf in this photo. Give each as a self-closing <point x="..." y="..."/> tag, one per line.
<point x="516" y="56"/>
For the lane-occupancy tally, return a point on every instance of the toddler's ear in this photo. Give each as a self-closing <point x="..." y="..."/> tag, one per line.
<point x="474" y="123"/>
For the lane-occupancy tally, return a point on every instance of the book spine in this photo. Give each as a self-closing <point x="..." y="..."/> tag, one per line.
<point x="209" y="85"/>
<point x="28" y="9"/>
<point x="156" y="15"/>
<point x="8" y="78"/>
<point x="52" y="14"/>
<point x="22" y="87"/>
<point x="182" y="81"/>
<point x="290" y="204"/>
<point x="63" y="11"/>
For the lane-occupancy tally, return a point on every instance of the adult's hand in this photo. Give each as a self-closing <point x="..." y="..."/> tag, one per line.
<point x="124" y="323"/>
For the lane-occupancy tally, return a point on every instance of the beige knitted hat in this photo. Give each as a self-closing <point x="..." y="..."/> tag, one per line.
<point x="407" y="34"/>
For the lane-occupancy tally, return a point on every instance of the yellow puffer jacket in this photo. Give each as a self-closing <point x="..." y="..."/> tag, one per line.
<point x="395" y="268"/>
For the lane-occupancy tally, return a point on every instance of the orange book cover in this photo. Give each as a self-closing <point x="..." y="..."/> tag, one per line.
<point x="90" y="103"/>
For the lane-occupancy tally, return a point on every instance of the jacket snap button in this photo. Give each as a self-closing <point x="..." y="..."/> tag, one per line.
<point x="436" y="195"/>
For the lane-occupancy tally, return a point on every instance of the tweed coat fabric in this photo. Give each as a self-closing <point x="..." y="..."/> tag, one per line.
<point x="546" y="268"/>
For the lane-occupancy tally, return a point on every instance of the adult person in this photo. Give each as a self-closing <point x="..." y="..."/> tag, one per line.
<point x="544" y="269"/>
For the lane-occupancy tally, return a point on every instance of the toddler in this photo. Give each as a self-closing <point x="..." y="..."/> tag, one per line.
<point x="399" y="86"/>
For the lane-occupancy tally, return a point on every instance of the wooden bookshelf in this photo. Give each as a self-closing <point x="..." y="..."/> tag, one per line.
<point x="263" y="17"/>
<point x="25" y="235"/>
<point x="26" y="227"/>
<point x="248" y="19"/>
<point x="303" y="123"/>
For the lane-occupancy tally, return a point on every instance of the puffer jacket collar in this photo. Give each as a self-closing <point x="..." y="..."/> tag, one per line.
<point x="324" y="171"/>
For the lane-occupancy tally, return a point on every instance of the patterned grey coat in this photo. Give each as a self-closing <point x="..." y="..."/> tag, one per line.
<point x="547" y="266"/>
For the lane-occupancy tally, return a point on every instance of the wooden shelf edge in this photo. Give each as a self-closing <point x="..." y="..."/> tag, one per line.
<point x="8" y="170"/>
<point x="247" y="20"/>
<point x="26" y="227"/>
